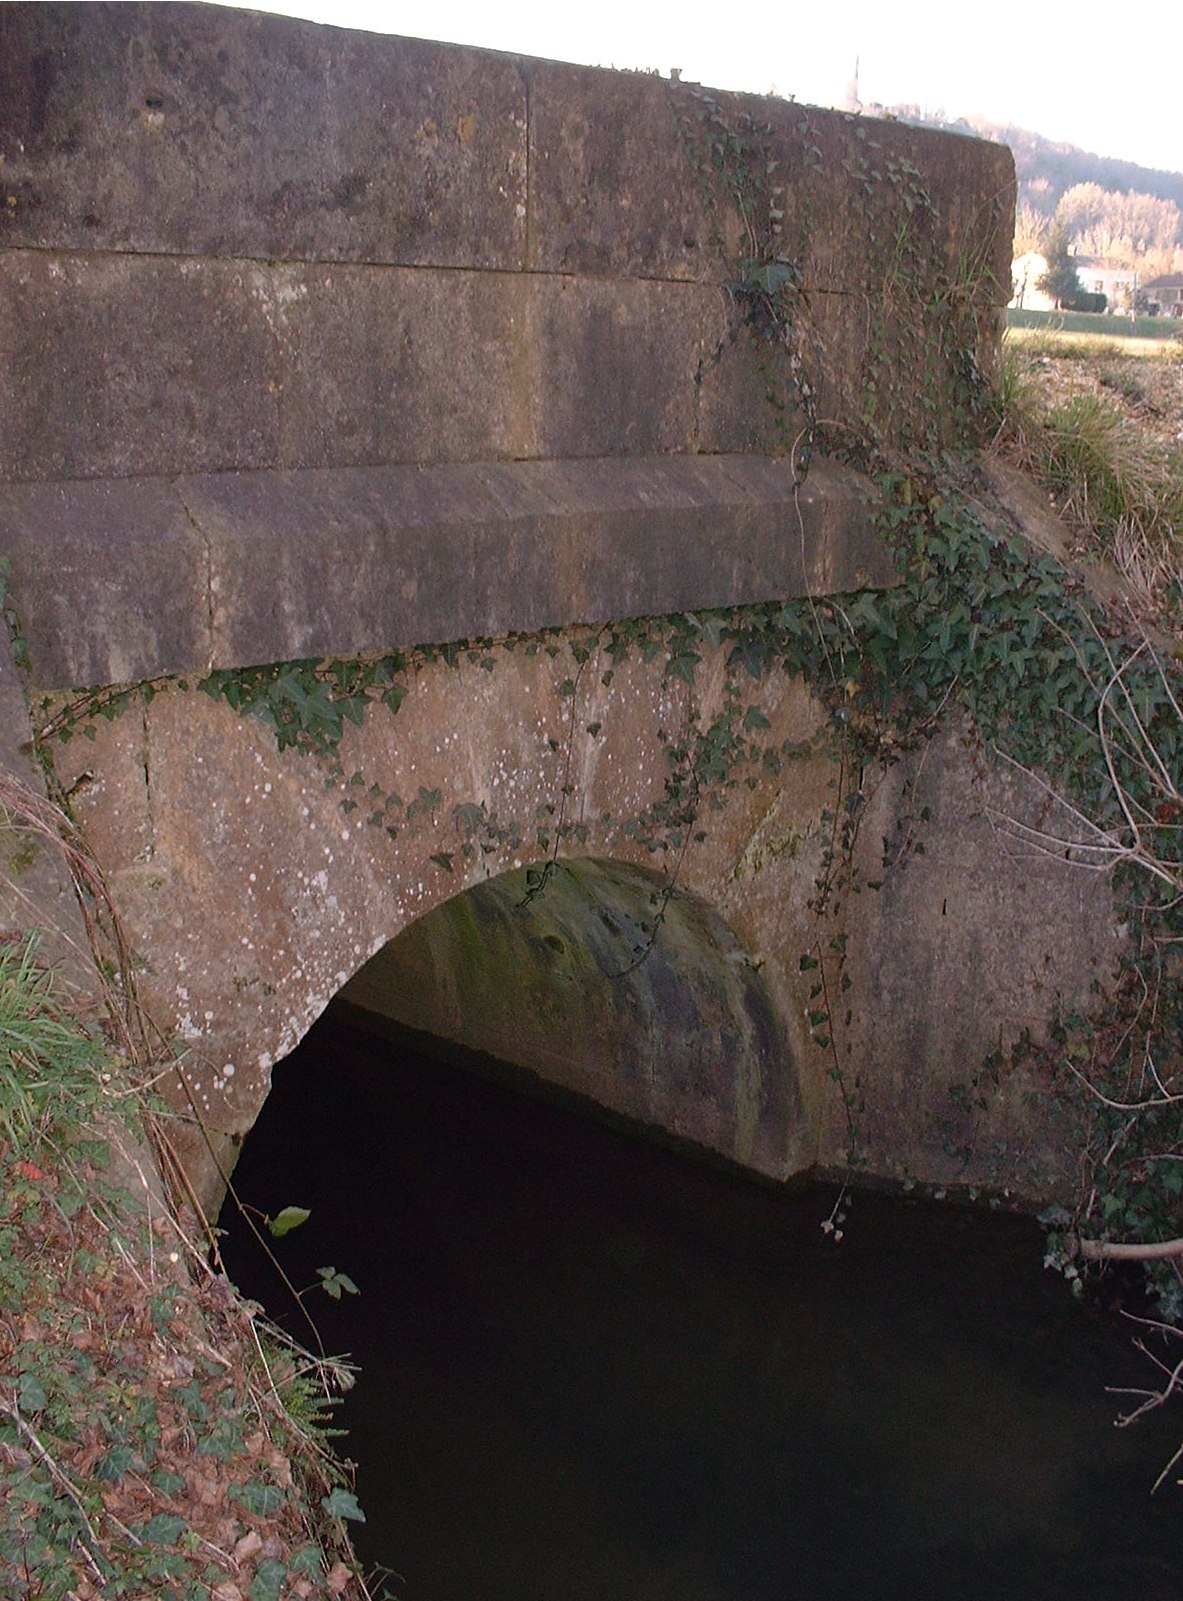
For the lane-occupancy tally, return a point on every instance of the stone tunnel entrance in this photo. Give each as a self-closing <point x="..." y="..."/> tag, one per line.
<point x="590" y="1368"/>
<point x="592" y="977"/>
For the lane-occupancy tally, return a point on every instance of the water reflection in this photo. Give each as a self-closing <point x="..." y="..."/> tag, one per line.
<point x="594" y="1371"/>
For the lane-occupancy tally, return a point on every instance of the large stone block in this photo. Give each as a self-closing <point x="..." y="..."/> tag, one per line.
<point x="122" y="580"/>
<point x="109" y="580"/>
<point x="121" y="366"/>
<point x="399" y="365"/>
<point x="310" y="564"/>
<point x="612" y="365"/>
<point x="612" y="188"/>
<point x="116" y="366"/>
<point x="205" y="131"/>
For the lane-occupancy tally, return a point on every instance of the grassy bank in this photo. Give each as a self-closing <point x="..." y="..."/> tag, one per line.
<point x="1102" y="430"/>
<point x="1097" y="324"/>
<point x="156" y="1437"/>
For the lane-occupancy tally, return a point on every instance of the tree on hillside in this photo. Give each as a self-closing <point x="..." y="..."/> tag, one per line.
<point x="1060" y="280"/>
<point x="1030" y="228"/>
<point x="1123" y="227"/>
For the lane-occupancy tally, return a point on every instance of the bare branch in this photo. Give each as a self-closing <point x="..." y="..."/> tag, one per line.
<point x="1116" y="1251"/>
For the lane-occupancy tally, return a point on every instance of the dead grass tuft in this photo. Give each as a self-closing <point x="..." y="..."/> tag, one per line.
<point x="1103" y="432"/>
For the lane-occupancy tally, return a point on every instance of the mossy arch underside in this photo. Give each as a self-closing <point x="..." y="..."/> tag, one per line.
<point x="605" y="984"/>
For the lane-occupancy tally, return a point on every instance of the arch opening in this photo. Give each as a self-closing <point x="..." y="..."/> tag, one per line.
<point x="602" y="983"/>
<point x="589" y="1368"/>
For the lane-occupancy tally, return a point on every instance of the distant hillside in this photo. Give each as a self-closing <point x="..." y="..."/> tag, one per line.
<point x="1047" y="170"/>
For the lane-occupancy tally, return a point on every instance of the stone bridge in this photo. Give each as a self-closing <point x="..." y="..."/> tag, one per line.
<point x="320" y="347"/>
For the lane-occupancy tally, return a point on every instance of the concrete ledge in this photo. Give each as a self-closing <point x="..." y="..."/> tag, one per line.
<point x="116" y="582"/>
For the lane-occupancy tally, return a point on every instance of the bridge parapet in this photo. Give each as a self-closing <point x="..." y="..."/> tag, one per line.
<point x="236" y="244"/>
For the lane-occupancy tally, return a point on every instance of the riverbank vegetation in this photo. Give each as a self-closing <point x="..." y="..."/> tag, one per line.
<point x="157" y="1436"/>
<point x="1102" y="431"/>
<point x="1099" y="422"/>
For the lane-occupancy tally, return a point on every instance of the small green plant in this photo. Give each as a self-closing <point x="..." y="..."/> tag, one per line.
<point x="51" y="1072"/>
<point x="132" y="1378"/>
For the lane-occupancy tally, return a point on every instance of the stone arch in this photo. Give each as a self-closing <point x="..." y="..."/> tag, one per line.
<point x="606" y="983"/>
<point x="255" y="882"/>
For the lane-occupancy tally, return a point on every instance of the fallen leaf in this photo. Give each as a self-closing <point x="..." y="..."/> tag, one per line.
<point x="249" y="1546"/>
<point x="338" y="1579"/>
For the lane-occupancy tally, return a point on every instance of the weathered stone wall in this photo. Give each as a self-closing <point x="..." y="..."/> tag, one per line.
<point x="296" y="325"/>
<point x="253" y="888"/>
<point x="314" y="342"/>
<point x="240" y="242"/>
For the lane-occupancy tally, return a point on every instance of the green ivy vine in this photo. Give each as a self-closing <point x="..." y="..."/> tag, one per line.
<point x="976" y="619"/>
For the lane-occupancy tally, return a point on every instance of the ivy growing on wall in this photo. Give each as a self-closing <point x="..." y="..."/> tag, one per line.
<point x="976" y="619"/>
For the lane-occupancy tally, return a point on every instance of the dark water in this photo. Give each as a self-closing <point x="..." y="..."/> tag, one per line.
<point x="595" y="1372"/>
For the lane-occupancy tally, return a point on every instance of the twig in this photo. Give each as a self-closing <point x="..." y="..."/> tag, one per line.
<point x="1117" y="1251"/>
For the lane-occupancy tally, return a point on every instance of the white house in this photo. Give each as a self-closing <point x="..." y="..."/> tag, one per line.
<point x="1109" y="278"/>
<point x="1026" y="271"/>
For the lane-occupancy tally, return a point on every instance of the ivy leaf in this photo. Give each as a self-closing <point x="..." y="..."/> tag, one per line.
<point x="752" y="655"/>
<point x="268" y="1582"/>
<point x="166" y="1528"/>
<point x="115" y="1464"/>
<point x="470" y="816"/>
<point x="260" y="1498"/>
<point x="343" y="1504"/>
<point x="284" y="1222"/>
<point x="682" y="665"/>
<point x="755" y="718"/>
<point x="31" y="1395"/>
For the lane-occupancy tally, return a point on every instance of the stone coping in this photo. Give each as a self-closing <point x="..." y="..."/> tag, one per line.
<point x="117" y="580"/>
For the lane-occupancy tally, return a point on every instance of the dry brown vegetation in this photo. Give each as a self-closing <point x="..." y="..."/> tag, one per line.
<point x="1099" y="422"/>
<point x="157" y="1437"/>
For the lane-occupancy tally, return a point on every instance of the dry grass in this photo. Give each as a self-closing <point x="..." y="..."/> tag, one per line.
<point x="1103" y="431"/>
<point x="1060" y="342"/>
<point x="156" y="1437"/>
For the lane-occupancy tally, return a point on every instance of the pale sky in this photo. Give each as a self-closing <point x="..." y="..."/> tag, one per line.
<point x="1074" y="74"/>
